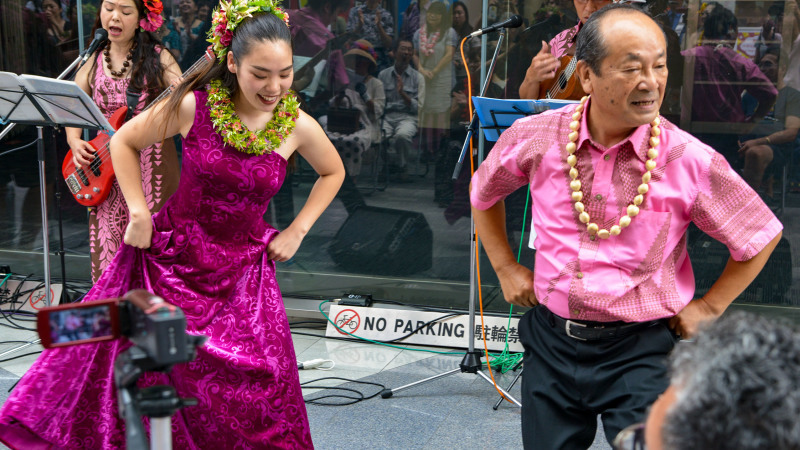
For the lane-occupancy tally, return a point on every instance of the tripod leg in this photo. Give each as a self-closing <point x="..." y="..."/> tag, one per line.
<point x="387" y="393"/>
<point x="161" y="433"/>
<point x="508" y="396"/>
<point x="513" y="382"/>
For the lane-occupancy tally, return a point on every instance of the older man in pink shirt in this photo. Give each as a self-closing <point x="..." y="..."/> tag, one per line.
<point x="614" y="188"/>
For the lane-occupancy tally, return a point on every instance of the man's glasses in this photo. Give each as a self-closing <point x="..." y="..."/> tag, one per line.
<point x="630" y="438"/>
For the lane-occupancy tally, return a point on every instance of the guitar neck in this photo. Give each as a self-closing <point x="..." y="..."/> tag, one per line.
<point x="207" y="56"/>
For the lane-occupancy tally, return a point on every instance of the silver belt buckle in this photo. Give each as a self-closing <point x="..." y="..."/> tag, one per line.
<point x="569" y="333"/>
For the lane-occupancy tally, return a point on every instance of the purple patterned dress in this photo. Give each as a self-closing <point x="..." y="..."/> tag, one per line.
<point x="208" y="257"/>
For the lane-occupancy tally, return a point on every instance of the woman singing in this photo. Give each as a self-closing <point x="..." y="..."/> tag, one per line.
<point x="132" y="59"/>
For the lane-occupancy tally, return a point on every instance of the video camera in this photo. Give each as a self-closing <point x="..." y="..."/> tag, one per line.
<point x="156" y="327"/>
<point x="158" y="332"/>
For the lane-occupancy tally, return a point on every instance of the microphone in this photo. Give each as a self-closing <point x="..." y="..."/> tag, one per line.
<point x="100" y="37"/>
<point x="512" y="22"/>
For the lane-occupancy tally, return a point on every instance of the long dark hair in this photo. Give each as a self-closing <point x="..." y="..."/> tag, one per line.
<point x="147" y="73"/>
<point x="261" y="27"/>
<point x="466" y="28"/>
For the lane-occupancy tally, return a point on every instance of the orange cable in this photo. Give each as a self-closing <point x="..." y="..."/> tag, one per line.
<point x="477" y="248"/>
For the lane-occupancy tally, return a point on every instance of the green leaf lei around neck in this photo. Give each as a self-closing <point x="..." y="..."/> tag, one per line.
<point x="237" y="135"/>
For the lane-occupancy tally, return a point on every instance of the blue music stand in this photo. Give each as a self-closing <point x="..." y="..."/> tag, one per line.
<point x="495" y="115"/>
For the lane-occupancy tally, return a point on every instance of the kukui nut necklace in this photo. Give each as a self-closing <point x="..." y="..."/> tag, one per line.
<point x="125" y="64"/>
<point x="575" y="184"/>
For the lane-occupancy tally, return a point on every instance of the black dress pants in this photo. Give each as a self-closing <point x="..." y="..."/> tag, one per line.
<point x="567" y="382"/>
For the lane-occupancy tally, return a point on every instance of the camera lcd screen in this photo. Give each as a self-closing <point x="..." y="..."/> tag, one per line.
<point x="78" y="325"/>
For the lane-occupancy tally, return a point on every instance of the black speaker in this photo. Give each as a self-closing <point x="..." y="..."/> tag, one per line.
<point x="383" y="241"/>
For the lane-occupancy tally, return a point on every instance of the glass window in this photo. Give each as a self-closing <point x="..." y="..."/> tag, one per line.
<point x="386" y="81"/>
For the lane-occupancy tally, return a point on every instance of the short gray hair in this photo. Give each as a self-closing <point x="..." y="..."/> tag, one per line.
<point x="590" y="45"/>
<point x="738" y="386"/>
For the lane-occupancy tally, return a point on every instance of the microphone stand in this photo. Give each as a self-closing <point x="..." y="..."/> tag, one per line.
<point x="471" y="362"/>
<point x="472" y="128"/>
<point x="57" y="192"/>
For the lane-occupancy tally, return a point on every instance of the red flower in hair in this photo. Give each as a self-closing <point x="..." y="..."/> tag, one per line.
<point x="226" y="38"/>
<point x="154" y="6"/>
<point x="153" y="20"/>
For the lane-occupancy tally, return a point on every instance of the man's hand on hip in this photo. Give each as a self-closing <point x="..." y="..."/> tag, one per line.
<point x="686" y="322"/>
<point x="516" y="281"/>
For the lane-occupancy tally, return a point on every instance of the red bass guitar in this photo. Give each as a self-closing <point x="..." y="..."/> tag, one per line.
<point x="91" y="184"/>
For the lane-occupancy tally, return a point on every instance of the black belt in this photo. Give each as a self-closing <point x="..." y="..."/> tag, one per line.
<point x="593" y="331"/>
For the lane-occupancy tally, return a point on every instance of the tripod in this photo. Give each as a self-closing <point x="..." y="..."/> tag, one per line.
<point x="471" y="362"/>
<point x="158" y="403"/>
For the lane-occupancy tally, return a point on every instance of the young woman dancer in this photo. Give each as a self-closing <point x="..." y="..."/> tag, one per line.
<point x="207" y="251"/>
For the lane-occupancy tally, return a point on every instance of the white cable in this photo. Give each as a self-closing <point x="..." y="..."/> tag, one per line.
<point x="315" y="364"/>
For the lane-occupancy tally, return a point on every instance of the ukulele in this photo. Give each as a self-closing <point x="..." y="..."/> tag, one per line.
<point x="565" y="85"/>
<point x="91" y="184"/>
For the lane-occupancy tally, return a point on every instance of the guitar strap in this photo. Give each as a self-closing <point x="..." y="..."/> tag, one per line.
<point x="132" y="98"/>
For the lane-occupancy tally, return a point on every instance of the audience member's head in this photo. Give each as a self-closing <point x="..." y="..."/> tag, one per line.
<point x="720" y="24"/>
<point x="361" y="57"/>
<point x="737" y="385"/>
<point x="204" y="10"/>
<point x="403" y="52"/>
<point x="461" y="18"/>
<point x="52" y="9"/>
<point x="767" y="30"/>
<point x="769" y="63"/>
<point x="436" y="18"/>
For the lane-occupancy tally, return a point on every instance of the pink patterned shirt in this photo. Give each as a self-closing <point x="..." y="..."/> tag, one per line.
<point x="644" y="273"/>
<point x="563" y="41"/>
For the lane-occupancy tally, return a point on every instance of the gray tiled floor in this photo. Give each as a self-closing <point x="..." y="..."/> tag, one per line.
<point x="453" y="411"/>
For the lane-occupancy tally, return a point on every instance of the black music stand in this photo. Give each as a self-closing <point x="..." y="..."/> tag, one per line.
<point x="41" y="101"/>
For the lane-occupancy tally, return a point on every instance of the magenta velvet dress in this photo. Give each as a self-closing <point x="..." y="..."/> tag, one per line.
<point x="208" y="257"/>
